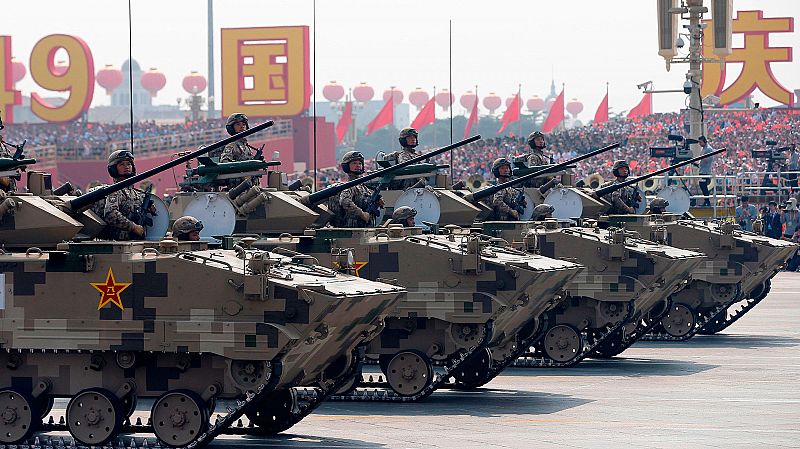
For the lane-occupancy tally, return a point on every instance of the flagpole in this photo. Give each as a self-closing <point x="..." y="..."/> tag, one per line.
<point x="314" y="91"/>
<point x="452" y="169"/>
<point x="434" y="116"/>
<point x="607" y="100"/>
<point x="519" y="110"/>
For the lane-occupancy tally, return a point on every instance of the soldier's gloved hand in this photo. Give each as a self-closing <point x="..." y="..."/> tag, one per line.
<point x="138" y="230"/>
<point x="152" y="209"/>
<point x="515" y="214"/>
<point x="365" y="217"/>
<point x="380" y="202"/>
<point x="631" y="210"/>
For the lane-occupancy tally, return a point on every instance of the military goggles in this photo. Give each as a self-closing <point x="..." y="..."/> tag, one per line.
<point x="196" y="227"/>
<point x="125" y="155"/>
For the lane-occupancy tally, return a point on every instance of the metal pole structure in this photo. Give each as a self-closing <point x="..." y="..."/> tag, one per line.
<point x="130" y="65"/>
<point x="434" y="116"/>
<point x="519" y="110"/>
<point x="314" y="91"/>
<point x="452" y="169"/>
<point x="695" y="73"/>
<point x="211" y="113"/>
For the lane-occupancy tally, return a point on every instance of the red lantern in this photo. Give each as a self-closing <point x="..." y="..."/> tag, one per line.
<point x="194" y="83"/>
<point x="445" y="99"/>
<point x="153" y="81"/>
<point x="535" y="104"/>
<point x="491" y="102"/>
<point x="17" y="69"/>
<point x="109" y="78"/>
<point x="468" y="100"/>
<point x="574" y="107"/>
<point x="418" y="98"/>
<point x="333" y="92"/>
<point x="397" y="95"/>
<point x="363" y="92"/>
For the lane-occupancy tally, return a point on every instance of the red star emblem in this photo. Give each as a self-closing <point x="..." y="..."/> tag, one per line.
<point x="110" y="290"/>
<point x="358" y="266"/>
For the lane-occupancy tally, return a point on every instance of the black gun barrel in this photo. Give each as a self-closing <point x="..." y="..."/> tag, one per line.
<point x="614" y="187"/>
<point x="86" y="199"/>
<point x="322" y="195"/>
<point x="491" y="190"/>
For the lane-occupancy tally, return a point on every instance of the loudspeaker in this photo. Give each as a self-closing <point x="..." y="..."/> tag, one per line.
<point x="667" y="28"/>
<point x="722" y="15"/>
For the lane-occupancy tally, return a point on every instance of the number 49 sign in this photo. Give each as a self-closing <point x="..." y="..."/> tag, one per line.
<point x="77" y="79"/>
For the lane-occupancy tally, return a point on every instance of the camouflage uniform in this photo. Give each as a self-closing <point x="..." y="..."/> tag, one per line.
<point x="236" y="151"/>
<point x="346" y="207"/>
<point x="503" y="204"/>
<point x="621" y="200"/>
<point x="535" y="158"/>
<point x="118" y="210"/>
<point x="405" y="154"/>
<point x="12" y="183"/>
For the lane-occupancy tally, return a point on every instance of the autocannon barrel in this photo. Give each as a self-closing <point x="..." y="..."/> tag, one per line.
<point x="491" y="190"/>
<point x="322" y="195"/>
<point x="86" y="199"/>
<point x="614" y="187"/>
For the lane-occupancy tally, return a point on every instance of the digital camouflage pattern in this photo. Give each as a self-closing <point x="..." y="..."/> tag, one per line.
<point x="10" y="183"/>
<point x="621" y="200"/>
<point x="118" y="210"/>
<point x="347" y="207"/>
<point x="503" y="204"/>
<point x="236" y="151"/>
<point x="465" y="284"/>
<point x="99" y="314"/>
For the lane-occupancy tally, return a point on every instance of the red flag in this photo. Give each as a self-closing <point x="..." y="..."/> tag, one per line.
<point x="344" y="122"/>
<point x="473" y="118"/>
<point x="384" y="117"/>
<point x="601" y="116"/>
<point x="511" y="115"/>
<point x="643" y="108"/>
<point x="556" y="114"/>
<point x="426" y="116"/>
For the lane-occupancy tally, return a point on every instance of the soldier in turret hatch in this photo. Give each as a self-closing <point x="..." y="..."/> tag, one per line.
<point x="239" y="150"/>
<point x="349" y="209"/>
<point x="7" y="183"/>
<point x="536" y="157"/>
<point x="505" y="204"/>
<point x="542" y="212"/>
<point x="122" y="207"/>
<point x="187" y="228"/>
<point x="405" y="216"/>
<point x="624" y="200"/>
<point x="409" y="139"/>
<point x="658" y="206"/>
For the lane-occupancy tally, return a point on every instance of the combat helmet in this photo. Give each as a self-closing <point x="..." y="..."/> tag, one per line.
<point x="541" y="211"/>
<point x="499" y="162"/>
<point x="186" y="224"/>
<point x="349" y="157"/>
<point x="658" y="205"/>
<point x="532" y="137"/>
<point x="115" y="158"/>
<point x="619" y="164"/>
<point x="233" y="118"/>
<point x="403" y="212"/>
<point x="405" y="132"/>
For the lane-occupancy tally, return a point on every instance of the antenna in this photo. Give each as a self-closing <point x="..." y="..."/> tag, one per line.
<point x="314" y="82"/>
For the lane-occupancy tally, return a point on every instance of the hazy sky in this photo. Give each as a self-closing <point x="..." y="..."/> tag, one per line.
<point x="497" y="45"/>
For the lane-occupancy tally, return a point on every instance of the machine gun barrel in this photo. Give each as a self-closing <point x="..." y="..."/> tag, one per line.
<point x="86" y="199"/>
<point x="322" y="195"/>
<point x="612" y="188"/>
<point x="491" y="190"/>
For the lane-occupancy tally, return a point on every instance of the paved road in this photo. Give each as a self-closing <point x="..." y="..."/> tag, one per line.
<point x="737" y="389"/>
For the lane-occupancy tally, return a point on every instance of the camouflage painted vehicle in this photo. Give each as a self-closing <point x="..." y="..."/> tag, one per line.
<point x="104" y="323"/>
<point x="470" y="295"/>
<point x="626" y="278"/>
<point x="738" y="266"/>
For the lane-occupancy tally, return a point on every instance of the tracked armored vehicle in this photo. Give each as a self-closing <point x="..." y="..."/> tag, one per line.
<point x="470" y="295"/>
<point x="104" y="323"/>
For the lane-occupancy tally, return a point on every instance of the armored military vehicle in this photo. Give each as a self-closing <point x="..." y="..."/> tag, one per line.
<point x="471" y="295"/>
<point x="104" y="323"/>
<point x="735" y="266"/>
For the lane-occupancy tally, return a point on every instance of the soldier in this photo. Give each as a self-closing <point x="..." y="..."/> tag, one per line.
<point x="122" y="207"/>
<point x="239" y="150"/>
<point x="658" y="206"/>
<point x="542" y="212"/>
<point x="405" y="215"/>
<point x="505" y="203"/>
<point x="349" y="209"/>
<point x="408" y="138"/>
<point x="536" y="157"/>
<point x="187" y="228"/>
<point x="7" y="183"/>
<point x="623" y="201"/>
